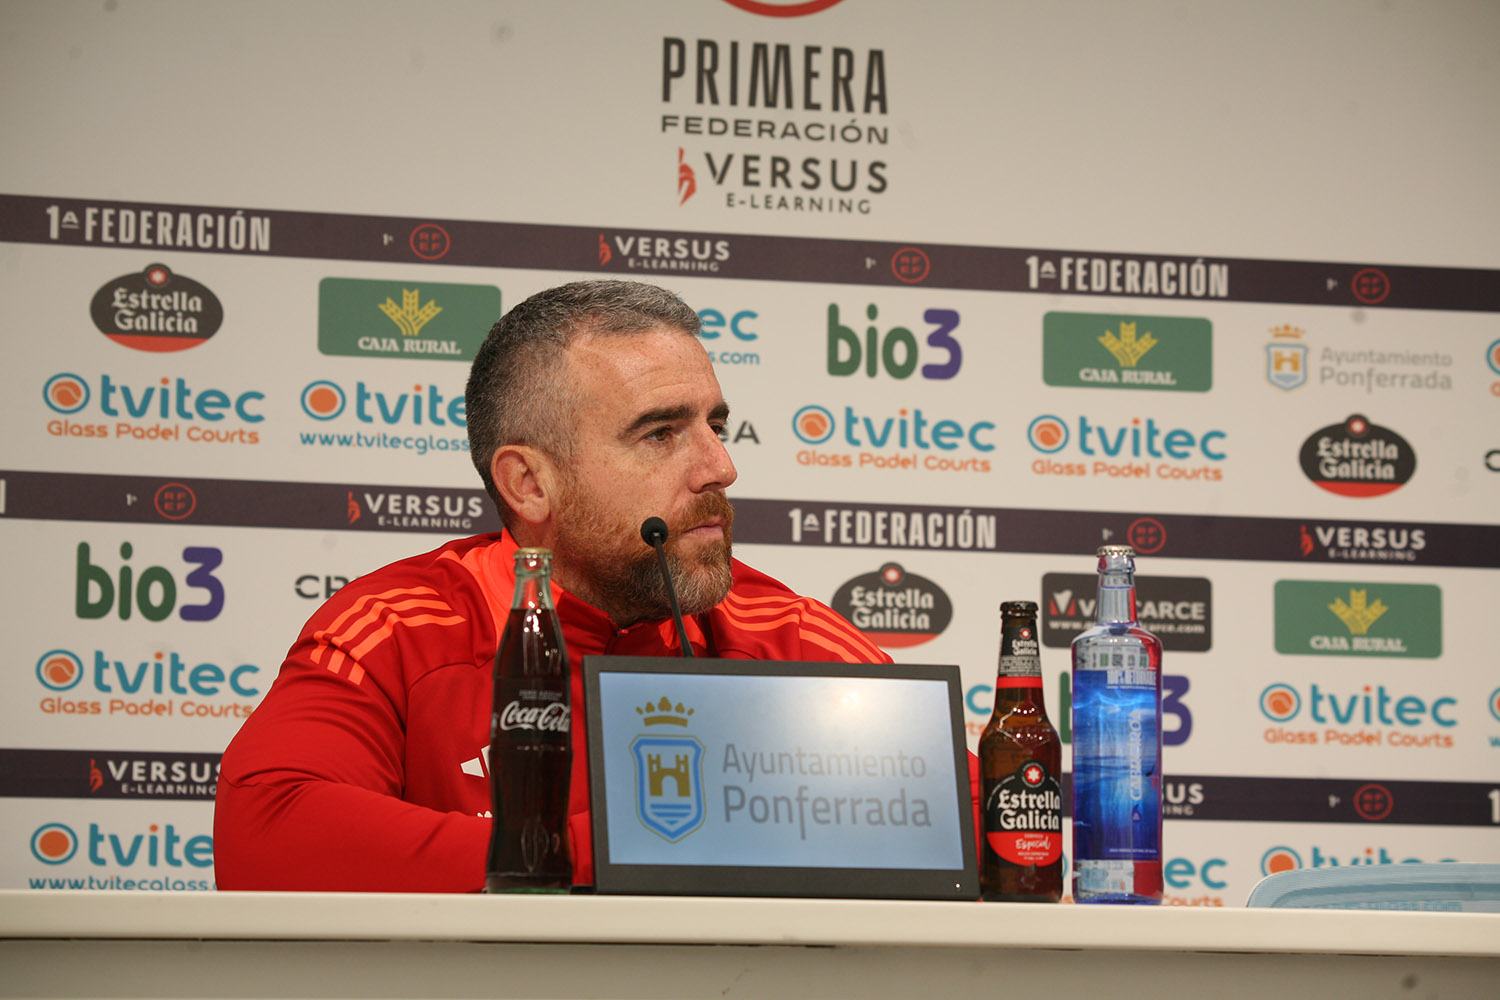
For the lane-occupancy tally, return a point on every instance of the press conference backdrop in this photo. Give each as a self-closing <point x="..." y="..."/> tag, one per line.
<point x="986" y="286"/>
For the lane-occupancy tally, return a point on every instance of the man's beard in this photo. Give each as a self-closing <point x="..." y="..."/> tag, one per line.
<point x="602" y="566"/>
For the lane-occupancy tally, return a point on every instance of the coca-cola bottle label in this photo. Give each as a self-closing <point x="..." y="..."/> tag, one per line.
<point x="1023" y="816"/>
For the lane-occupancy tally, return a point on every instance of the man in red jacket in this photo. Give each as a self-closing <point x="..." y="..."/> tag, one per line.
<point x="590" y="408"/>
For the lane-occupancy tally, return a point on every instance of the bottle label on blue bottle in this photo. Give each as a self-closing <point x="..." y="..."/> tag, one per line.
<point x="1116" y="777"/>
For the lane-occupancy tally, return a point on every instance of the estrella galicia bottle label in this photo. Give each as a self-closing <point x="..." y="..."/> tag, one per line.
<point x="1019" y="654"/>
<point x="1023" y="816"/>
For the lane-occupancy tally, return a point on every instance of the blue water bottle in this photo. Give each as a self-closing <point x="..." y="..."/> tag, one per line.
<point x="1117" y="746"/>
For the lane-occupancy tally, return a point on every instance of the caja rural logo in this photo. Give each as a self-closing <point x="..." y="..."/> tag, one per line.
<point x="168" y="410"/>
<point x="669" y="797"/>
<point x="156" y="310"/>
<point x="1108" y="351"/>
<point x="1357" y="458"/>
<point x="894" y="608"/>
<point x="365" y="318"/>
<point x="1339" y="618"/>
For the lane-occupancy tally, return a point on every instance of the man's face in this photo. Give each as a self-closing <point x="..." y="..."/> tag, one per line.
<point x="645" y="443"/>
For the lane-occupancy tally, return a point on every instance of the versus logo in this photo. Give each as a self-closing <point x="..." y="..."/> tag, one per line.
<point x="1361" y="544"/>
<point x="63" y="670"/>
<point x="645" y="252"/>
<point x="404" y="511"/>
<point x="1109" y="351"/>
<point x="1286" y="358"/>
<point x="896" y="350"/>
<point x="1358" y="458"/>
<point x="894" y="608"/>
<point x="1319" y="618"/>
<point x="156" y="310"/>
<point x="160" y="845"/>
<point x="326" y="400"/>
<point x="404" y="319"/>
<point x="1176" y="609"/>
<point x="153" y="591"/>
<point x="827" y="83"/>
<point x="153" y="776"/>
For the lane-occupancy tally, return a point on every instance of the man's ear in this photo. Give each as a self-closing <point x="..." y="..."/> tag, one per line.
<point x="524" y="477"/>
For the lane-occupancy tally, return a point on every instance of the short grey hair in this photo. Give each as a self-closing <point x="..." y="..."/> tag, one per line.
<point x="516" y="393"/>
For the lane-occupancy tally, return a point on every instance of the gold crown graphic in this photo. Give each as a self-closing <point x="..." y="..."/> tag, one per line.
<point x="664" y="713"/>
<point x="1287" y="331"/>
<point x="1358" y="615"/>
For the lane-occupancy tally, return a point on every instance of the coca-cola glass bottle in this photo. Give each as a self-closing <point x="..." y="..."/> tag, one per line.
<point x="531" y="750"/>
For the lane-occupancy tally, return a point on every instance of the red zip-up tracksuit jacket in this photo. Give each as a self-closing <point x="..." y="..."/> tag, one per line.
<point x="363" y="767"/>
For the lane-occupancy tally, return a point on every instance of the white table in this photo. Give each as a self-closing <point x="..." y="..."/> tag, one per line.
<point x="280" y="945"/>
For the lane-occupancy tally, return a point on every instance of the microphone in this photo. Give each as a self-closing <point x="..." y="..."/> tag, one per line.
<point x="654" y="534"/>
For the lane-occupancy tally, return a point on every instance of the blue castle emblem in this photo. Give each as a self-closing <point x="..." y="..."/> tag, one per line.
<point x="668" y="773"/>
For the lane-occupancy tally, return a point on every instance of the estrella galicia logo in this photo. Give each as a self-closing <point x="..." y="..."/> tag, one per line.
<point x="156" y="310"/>
<point x="1358" y="459"/>
<point x="668" y="772"/>
<point x="895" y="608"/>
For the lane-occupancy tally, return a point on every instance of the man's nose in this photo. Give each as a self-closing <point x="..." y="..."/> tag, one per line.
<point x="714" y="469"/>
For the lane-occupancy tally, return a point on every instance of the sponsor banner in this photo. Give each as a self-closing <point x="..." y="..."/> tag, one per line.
<point x="1109" y="351"/>
<point x="1339" y="618"/>
<point x="404" y="240"/>
<point x="1328" y="800"/>
<point x="893" y="607"/>
<point x="156" y="310"/>
<point x="61" y="496"/>
<point x="405" y="320"/>
<point x="1357" y="458"/>
<point x="108" y="774"/>
<point x="1176" y="609"/>
<point x="246" y="503"/>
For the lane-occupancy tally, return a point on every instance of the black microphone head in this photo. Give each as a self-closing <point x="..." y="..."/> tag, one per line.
<point x="653" y="531"/>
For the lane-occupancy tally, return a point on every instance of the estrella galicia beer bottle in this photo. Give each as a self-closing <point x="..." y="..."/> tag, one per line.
<point x="1020" y="761"/>
<point x="531" y="749"/>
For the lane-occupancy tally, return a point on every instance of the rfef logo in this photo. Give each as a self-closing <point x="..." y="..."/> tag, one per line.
<point x="894" y="608"/>
<point x="1340" y="618"/>
<point x="404" y="319"/>
<point x="1111" y="351"/>
<point x="1358" y="458"/>
<point x="156" y="310"/>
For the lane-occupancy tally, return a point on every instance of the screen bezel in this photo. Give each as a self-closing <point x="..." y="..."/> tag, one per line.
<point x="758" y="880"/>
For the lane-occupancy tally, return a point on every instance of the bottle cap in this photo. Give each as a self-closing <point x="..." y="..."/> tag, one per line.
<point x="534" y="552"/>
<point x="1116" y="550"/>
<point x="1018" y="607"/>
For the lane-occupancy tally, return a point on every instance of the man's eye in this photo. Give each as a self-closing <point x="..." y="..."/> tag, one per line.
<point x="660" y="434"/>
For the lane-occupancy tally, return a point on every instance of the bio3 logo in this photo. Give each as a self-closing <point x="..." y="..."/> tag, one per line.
<point x="152" y="591"/>
<point x="896" y="350"/>
<point x="160" y="844"/>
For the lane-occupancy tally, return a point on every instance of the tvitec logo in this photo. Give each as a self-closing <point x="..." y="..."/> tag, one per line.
<point x="153" y="590"/>
<point x="158" y="849"/>
<point x="1139" y="450"/>
<point x="397" y="420"/>
<point x="1373" y="715"/>
<point x="1284" y="859"/>
<point x="895" y="351"/>
<point x="170" y="410"/>
<point x="906" y="440"/>
<point x="144" y="687"/>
